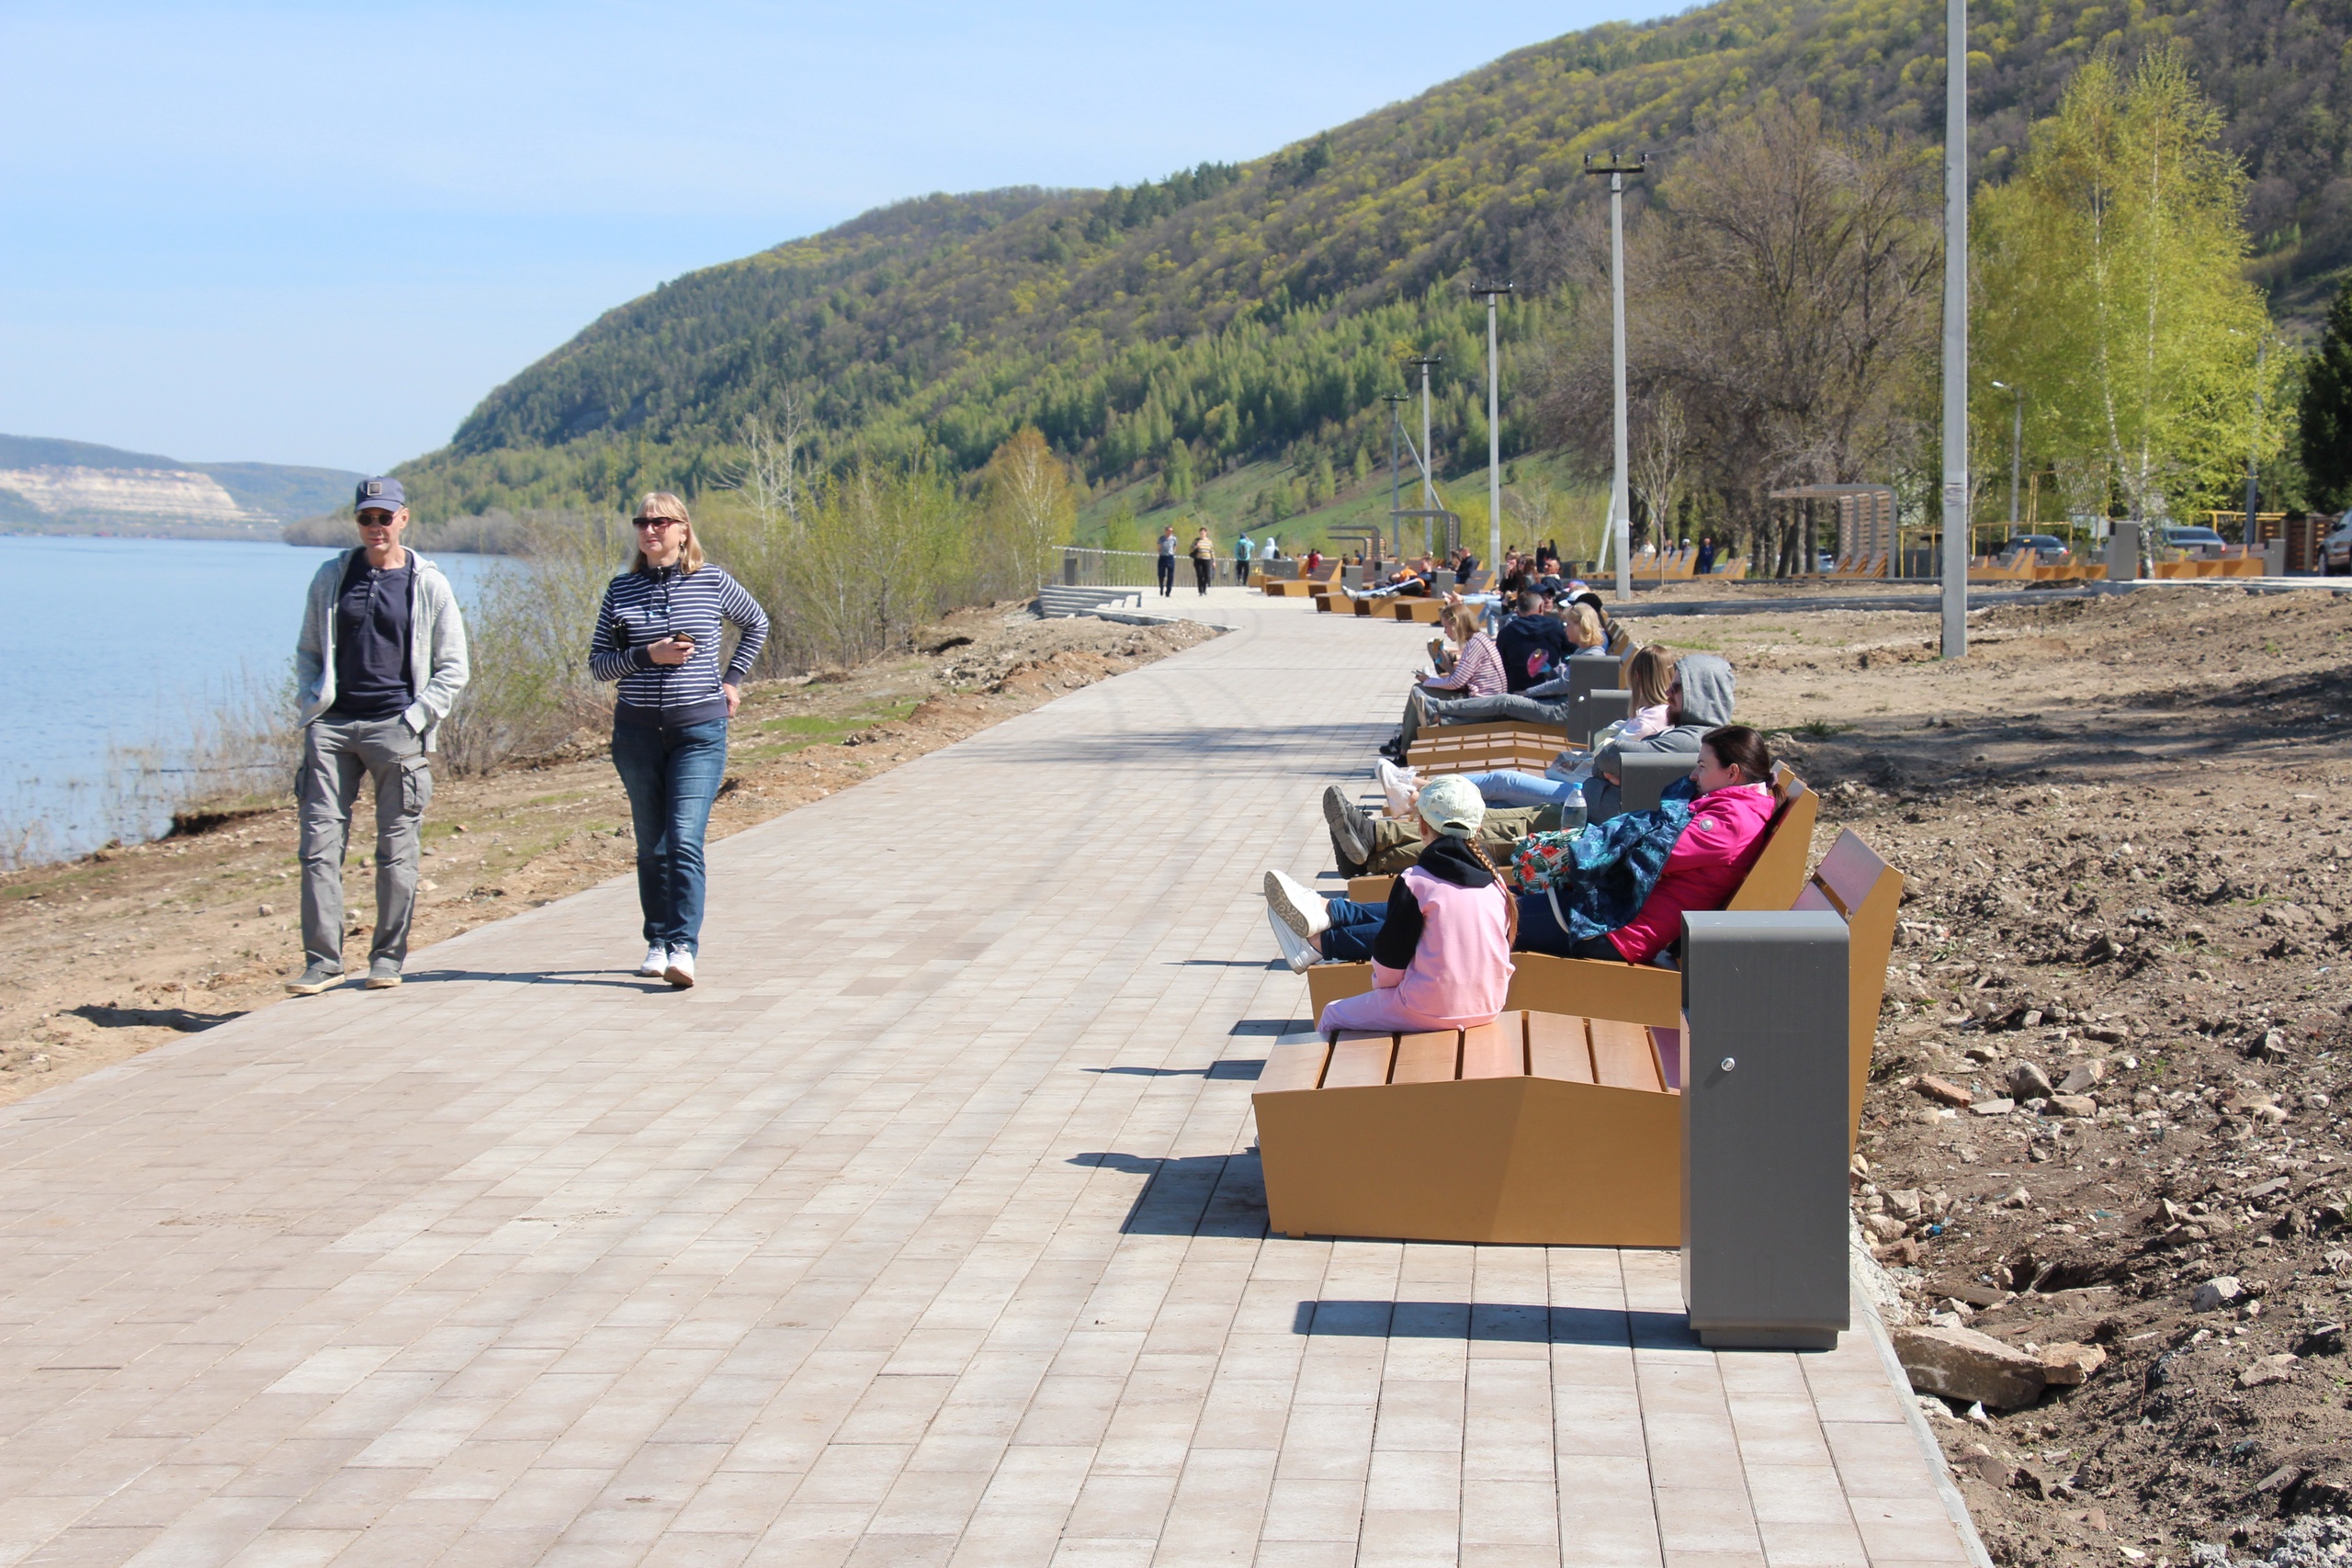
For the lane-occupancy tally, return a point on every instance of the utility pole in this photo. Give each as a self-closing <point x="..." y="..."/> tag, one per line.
<point x="1429" y="485"/>
<point x="2253" y="491"/>
<point x="1620" y="524"/>
<point x="2017" y="443"/>
<point x="1492" y="292"/>
<point x="1396" y="429"/>
<point x="1956" y="538"/>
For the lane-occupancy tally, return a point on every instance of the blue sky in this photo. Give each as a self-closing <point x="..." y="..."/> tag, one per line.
<point x="320" y="233"/>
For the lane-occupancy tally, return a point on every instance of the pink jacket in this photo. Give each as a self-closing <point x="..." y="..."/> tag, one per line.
<point x="1724" y="836"/>
<point x="1461" y="971"/>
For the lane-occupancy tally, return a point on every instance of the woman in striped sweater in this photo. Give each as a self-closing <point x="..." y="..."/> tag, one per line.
<point x="659" y="633"/>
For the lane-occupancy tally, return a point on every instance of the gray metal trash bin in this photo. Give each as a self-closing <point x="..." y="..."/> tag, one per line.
<point x="1764" y="1129"/>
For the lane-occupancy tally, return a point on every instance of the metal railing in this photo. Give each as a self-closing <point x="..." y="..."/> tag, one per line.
<point x="1137" y="569"/>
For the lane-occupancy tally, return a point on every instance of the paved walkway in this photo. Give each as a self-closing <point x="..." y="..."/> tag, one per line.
<point x="925" y="1231"/>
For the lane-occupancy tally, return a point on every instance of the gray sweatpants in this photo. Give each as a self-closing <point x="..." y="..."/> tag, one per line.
<point x="337" y="756"/>
<point x="1424" y="710"/>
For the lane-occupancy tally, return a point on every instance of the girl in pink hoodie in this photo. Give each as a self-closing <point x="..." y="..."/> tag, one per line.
<point x="1440" y="952"/>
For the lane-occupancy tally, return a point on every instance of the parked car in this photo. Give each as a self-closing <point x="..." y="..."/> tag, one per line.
<point x="2047" y="549"/>
<point x="2336" y="550"/>
<point x="2184" y="536"/>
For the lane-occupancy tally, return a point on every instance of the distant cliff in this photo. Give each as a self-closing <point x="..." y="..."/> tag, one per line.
<point x="75" y="487"/>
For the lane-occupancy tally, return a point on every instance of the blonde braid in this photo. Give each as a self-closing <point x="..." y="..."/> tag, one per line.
<point x="1510" y="904"/>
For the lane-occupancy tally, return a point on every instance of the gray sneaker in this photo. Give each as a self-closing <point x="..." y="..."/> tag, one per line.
<point x="1349" y="829"/>
<point x="383" y="974"/>
<point x="316" y="978"/>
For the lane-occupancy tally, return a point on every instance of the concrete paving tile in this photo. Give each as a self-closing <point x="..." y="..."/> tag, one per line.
<point x="878" y="1257"/>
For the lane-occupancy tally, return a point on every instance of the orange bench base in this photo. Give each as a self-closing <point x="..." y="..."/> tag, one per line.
<point x="1528" y="1131"/>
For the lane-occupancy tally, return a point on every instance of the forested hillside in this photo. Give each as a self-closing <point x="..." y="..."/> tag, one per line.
<point x="1236" y="312"/>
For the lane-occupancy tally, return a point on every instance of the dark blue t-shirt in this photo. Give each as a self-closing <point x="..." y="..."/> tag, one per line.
<point x="1529" y="646"/>
<point x="371" y="615"/>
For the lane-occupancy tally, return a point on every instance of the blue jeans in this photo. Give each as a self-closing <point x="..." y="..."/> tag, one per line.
<point x="1509" y="787"/>
<point x="1353" y="926"/>
<point x="672" y="776"/>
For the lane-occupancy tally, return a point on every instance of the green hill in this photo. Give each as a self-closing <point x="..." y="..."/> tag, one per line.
<point x="1255" y="313"/>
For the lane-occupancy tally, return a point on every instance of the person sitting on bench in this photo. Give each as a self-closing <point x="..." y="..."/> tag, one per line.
<point x="1545" y="702"/>
<point x="1440" y="948"/>
<point x="1650" y="676"/>
<point x="1618" y="889"/>
<point x="1700" y="701"/>
<point x="1531" y="642"/>
<point x="1476" y="670"/>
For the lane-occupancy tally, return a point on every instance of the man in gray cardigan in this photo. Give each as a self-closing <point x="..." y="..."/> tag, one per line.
<point x="382" y="656"/>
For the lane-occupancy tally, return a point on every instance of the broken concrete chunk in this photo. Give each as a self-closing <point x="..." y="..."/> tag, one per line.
<point x="1961" y="1363"/>
<point x="2082" y="1075"/>
<point x="2080" y="1105"/>
<point x="1992" y="1107"/>
<point x="2067" y="1365"/>
<point x="2270" y="1369"/>
<point x="2028" y="1082"/>
<point x="2222" y="1291"/>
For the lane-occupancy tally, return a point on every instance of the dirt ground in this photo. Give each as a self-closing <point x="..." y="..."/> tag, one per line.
<point x="110" y="955"/>
<point x="2122" y="823"/>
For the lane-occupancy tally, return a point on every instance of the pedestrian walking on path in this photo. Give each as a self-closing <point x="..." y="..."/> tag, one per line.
<point x="659" y="633"/>
<point x="1242" y="554"/>
<point x="380" y="657"/>
<point x="1203" y="561"/>
<point x="1168" y="561"/>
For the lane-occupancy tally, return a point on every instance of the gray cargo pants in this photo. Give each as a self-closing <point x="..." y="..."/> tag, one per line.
<point x="337" y="755"/>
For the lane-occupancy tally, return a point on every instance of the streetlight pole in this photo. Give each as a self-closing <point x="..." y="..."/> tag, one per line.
<point x="1493" y="292"/>
<point x="1428" y="459"/>
<point x="1621" y="526"/>
<point x="2253" y="490"/>
<point x="1956" y="539"/>
<point x="1396" y="429"/>
<point x="2016" y="441"/>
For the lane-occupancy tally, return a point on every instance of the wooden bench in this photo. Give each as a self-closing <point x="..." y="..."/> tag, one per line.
<point x="1407" y="608"/>
<point x="1498" y="1135"/>
<point x="1535" y="1128"/>
<point x="1642" y="993"/>
<point x="1304" y="587"/>
<point x="1483" y="748"/>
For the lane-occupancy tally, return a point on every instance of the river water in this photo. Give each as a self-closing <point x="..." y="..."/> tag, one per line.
<point x="121" y="654"/>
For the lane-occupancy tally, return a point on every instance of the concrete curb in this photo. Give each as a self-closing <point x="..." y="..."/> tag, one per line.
<point x="1871" y="1286"/>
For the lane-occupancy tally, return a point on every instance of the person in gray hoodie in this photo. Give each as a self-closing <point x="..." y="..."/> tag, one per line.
<point x="380" y="659"/>
<point x="1699" y="700"/>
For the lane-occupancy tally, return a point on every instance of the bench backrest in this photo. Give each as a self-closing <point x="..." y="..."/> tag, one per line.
<point x="1855" y="883"/>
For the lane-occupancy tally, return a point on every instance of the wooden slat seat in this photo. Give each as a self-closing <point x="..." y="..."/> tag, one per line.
<point x="1513" y="1148"/>
<point x="1533" y="1128"/>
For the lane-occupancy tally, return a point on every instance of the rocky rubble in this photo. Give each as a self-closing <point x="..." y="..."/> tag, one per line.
<point x="2103" y="1140"/>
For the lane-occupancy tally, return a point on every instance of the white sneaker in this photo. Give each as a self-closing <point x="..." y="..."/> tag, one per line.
<point x="1298" y="906"/>
<point x="1298" y="952"/>
<point x="681" y="972"/>
<point x="657" y="959"/>
<point x="1399" y="784"/>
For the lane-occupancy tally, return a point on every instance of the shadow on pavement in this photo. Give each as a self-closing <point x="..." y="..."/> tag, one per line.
<point x="612" y="980"/>
<point x="1219" y="1195"/>
<point x="1493" y="1321"/>
<point x="181" y="1019"/>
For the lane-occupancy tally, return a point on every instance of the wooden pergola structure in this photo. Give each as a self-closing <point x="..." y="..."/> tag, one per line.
<point x="1865" y="526"/>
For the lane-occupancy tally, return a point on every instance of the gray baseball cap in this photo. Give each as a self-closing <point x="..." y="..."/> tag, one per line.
<point x="381" y="493"/>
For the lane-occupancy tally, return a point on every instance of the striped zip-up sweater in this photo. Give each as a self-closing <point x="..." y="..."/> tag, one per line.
<point x="641" y="608"/>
